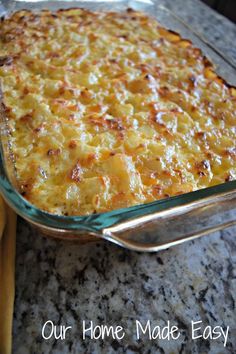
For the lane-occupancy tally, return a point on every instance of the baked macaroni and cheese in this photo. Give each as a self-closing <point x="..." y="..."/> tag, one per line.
<point x="109" y="110"/>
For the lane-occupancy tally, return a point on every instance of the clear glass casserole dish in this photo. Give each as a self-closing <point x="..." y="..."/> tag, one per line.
<point x="147" y="227"/>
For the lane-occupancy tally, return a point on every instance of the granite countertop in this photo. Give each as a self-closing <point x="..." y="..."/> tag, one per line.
<point x="68" y="283"/>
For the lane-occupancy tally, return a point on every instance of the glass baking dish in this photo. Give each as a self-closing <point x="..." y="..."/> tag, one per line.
<point x="148" y="227"/>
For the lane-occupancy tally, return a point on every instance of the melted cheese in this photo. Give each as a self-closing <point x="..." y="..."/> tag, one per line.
<point x="109" y="110"/>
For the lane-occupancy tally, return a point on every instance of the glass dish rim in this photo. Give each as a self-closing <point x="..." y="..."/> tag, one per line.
<point x="97" y="222"/>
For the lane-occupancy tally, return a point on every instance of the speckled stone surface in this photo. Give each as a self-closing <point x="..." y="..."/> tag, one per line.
<point x="68" y="283"/>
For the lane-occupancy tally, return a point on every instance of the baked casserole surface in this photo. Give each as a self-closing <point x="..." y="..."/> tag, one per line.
<point x="109" y="110"/>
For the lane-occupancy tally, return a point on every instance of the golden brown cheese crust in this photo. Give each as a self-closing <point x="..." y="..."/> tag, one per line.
<point x="109" y="110"/>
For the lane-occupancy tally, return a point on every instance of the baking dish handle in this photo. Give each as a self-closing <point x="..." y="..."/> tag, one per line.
<point x="167" y="228"/>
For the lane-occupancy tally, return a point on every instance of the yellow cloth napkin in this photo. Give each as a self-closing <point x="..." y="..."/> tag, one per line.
<point x="7" y="275"/>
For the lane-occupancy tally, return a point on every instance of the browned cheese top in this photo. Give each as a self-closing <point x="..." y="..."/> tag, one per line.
<point x="109" y="110"/>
